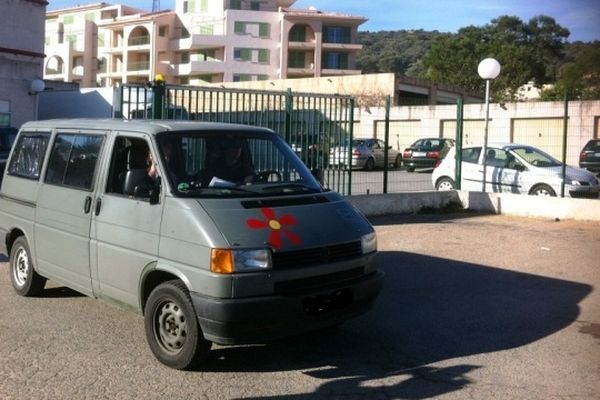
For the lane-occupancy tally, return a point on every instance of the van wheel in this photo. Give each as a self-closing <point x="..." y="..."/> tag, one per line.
<point x="445" y="184"/>
<point x="542" y="190"/>
<point x="172" y="329"/>
<point x="23" y="277"/>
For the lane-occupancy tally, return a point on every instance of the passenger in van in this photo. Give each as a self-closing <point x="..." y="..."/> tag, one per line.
<point x="230" y="163"/>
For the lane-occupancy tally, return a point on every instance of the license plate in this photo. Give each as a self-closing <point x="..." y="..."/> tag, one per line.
<point x="419" y="154"/>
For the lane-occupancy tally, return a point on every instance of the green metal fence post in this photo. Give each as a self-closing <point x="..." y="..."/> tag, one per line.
<point x="564" y="145"/>
<point x="458" y="143"/>
<point x="289" y="107"/>
<point x="158" y="93"/>
<point x="350" y="144"/>
<point x="386" y="140"/>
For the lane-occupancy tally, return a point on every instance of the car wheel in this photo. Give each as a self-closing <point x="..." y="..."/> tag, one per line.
<point x="23" y="277"/>
<point x="542" y="190"/>
<point x="172" y="329"/>
<point x="410" y="169"/>
<point x="398" y="162"/>
<point x="370" y="164"/>
<point x="445" y="184"/>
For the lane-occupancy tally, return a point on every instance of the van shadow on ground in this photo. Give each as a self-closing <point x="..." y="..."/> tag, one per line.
<point x="431" y="310"/>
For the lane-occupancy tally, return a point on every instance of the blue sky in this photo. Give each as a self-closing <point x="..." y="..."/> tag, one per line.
<point x="581" y="17"/>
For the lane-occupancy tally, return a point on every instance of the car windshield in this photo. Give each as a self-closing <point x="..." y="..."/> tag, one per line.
<point x="536" y="157"/>
<point x="232" y="164"/>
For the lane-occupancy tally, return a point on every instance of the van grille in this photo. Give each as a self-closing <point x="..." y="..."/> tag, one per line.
<point x="320" y="255"/>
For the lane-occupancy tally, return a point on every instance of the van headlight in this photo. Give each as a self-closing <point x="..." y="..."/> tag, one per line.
<point x="369" y="243"/>
<point x="229" y="261"/>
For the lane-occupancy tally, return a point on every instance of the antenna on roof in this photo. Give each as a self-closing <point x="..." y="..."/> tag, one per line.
<point x="155" y="5"/>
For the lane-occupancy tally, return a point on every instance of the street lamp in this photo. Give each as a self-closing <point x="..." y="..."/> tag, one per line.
<point x="488" y="69"/>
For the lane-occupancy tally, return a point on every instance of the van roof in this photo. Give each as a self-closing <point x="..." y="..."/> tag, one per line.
<point x="138" y="125"/>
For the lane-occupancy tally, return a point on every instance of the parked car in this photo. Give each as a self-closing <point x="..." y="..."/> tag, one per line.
<point x="589" y="158"/>
<point x="426" y="153"/>
<point x="514" y="168"/>
<point x="366" y="154"/>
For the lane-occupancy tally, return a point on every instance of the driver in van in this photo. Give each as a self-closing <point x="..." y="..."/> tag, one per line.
<point x="231" y="164"/>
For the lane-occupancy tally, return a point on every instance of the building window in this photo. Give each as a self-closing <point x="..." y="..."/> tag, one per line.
<point x="163" y="30"/>
<point x="255" y="5"/>
<point x="335" y="60"/>
<point x="255" y="29"/>
<point x="185" y="57"/>
<point x="4" y="119"/>
<point x="235" y="4"/>
<point x="296" y="59"/>
<point x="298" y="33"/>
<point x="254" y="55"/>
<point x="336" y="34"/>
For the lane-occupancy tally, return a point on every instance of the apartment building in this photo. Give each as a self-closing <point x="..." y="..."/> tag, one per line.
<point x="200" y="42"/>
<point x="21" y="60"/>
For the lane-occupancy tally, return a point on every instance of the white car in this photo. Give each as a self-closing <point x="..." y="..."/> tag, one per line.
<point x="514" y="168"/>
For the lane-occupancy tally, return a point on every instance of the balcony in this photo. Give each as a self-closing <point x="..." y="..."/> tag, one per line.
<point x="198" y="68"/>
<point x="335" y="72"/>
<point x="300" y="72"/>
<point x="301" y="45"/>
<point x="138" y="66"/>
<point x="198" y="41"/>
<point x="342" y="46"/>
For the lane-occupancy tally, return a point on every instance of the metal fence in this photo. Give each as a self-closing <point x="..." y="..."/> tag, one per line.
<point x="321" y="128"/>
<point x="312" y="124"/>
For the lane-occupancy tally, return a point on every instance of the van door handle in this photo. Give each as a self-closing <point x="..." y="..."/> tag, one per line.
<point x="87" y="206"/>
<point x="98" y="206"/>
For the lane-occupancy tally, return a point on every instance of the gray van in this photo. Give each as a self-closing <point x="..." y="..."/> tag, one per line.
<point x="213" y="232"/>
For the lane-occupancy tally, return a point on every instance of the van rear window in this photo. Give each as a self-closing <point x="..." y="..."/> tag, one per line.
<point x="28" y="156"/>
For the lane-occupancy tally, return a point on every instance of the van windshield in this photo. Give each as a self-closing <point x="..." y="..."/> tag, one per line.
<point x="232" y="164"/>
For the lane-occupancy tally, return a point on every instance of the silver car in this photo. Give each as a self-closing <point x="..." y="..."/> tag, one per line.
<point x="366" y="154"/>
<point x="514" y="168"/>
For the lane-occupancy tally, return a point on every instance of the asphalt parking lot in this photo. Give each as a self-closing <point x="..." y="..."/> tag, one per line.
<point x="474" y="306"/>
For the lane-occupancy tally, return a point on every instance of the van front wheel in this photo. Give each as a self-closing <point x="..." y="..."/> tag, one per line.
<point x="23" y="277"/>
<point x="172" y="329"/>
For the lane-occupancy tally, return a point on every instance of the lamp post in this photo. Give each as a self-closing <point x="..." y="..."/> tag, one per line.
<point x="36" y="86"/>
<point x="488" y="69"/>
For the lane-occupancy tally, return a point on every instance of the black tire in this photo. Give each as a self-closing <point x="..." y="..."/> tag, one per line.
<point x="398" y="162"/>
<point x="542" y="190"/>
<point x="172" y="329"/>
<point x="23" y="277"/>
<point x="369" y="164"/>
<point x="445" y="184"/>
<point x="410" y="169"/>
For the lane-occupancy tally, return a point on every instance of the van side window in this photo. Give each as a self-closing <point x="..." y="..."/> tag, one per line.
<point x="28" y="156"/>
<point x="73" y="160"/>
<point x="129" y="154"/>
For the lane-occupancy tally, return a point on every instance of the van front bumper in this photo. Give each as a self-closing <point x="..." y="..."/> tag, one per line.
<point x="264" y="318"/>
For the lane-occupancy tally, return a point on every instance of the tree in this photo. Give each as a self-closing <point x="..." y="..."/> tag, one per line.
<point x="579" y="76"/>
<point x="526" y="51"/>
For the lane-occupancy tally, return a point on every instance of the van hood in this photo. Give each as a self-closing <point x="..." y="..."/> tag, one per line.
<point x="286" y="224"/>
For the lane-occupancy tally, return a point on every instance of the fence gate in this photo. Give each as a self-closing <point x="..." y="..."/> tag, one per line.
<point x="311" y="123"/>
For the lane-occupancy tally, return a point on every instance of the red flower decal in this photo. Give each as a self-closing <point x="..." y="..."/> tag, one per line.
<point x="277" y="226"/>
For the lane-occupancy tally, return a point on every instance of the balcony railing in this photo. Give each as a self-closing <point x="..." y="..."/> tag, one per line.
<point x="139" y="41"/>
<point x="138" y="65"/>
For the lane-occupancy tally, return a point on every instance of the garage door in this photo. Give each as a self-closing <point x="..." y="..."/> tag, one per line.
<point x="543" y="133"/>
<point x="473" y="131"/>
<point x="402" y="133"/>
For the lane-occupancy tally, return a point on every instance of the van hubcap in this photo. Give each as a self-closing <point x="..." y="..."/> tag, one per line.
<point x="21" y="267"/>
<point x="171" y="326"/>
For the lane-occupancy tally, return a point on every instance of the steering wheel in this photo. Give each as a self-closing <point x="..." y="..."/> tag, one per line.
<point x="268" y="176"/>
